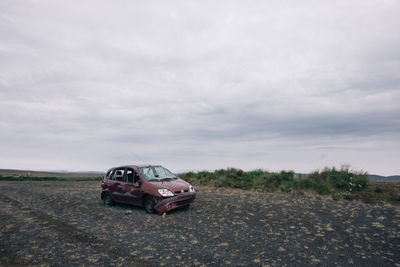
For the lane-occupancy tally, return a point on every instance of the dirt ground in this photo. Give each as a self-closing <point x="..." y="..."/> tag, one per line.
<point x="65" y="223"/>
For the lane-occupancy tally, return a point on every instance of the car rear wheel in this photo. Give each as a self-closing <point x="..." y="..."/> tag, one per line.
<point x="149" y="204"/>
<point x="108" y="200"/>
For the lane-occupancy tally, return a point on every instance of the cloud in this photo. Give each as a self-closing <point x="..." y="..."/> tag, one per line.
<point x="84" y="85"/>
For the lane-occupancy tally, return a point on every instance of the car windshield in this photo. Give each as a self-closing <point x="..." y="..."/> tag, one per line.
<point x="156" y="173"/>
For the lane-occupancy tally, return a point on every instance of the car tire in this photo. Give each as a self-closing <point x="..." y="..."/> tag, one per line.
<point x="149" y="204"/>
<point x="107" y="200"/>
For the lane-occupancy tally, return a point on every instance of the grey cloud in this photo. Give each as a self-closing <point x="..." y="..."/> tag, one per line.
<point x="199" y="85"/>
<point x="239" y="122"/>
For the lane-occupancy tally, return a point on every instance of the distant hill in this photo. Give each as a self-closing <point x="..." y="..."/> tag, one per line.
<point x="374" y="177"/>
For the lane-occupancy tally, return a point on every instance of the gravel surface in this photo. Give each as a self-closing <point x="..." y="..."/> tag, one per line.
<point x="65" y="223"/>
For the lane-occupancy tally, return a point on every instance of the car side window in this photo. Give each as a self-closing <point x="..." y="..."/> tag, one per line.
<point x="111" y="175"/>
<point x="129" y="175"/>
<point x="108" y="175"/>
<point x="119" y="174"/>
<point x="124" y="175"/>
<point x="132" y="176"/>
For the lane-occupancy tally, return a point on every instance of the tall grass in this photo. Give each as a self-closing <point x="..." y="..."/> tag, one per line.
<point x="328" y="181"/>
<point x="332" y="181"/>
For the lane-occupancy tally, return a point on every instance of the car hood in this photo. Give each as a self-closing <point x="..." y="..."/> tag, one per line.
<point x="173" y="185"/>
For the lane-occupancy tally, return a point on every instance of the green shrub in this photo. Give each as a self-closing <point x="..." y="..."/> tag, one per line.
<point x="237" y="178"/>
<point x="329" y="181"/>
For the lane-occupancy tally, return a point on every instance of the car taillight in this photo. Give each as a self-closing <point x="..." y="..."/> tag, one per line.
<point x="103" y="185"/>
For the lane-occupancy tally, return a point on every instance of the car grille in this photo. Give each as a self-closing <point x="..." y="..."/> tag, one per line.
<point x="180" y="192"/>
<point x="183" y="202"/>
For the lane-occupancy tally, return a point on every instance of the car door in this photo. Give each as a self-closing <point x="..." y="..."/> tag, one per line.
<point x="116" y="188"/>
<point x="132" y="188"/>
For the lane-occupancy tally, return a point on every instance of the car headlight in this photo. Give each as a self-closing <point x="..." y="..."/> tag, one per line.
<point x="165" y="193"/>
<point x="191" y="188"/>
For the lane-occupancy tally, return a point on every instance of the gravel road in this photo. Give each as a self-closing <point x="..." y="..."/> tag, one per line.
<point x="65" y="223"/>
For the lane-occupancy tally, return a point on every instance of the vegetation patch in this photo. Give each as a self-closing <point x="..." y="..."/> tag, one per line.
<point x="47" y="178"/>
<point x="332" y="181"/>
<point x="380" y="192"/>
<point x="340" y="183"/>
<point x="30" y="178"/>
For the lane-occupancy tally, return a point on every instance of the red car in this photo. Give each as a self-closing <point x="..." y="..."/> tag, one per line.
<point x="150" y="186"/>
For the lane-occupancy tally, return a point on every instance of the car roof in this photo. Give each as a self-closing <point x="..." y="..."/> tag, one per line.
<point x="136" y="166"/>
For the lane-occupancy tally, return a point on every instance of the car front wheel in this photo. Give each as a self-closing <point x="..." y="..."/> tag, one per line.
<point x="149" y="204"/>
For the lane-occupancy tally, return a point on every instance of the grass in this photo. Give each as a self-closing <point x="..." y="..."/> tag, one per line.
<point x="332" y="181"/>
<point x="328" y="181"/>
<point x="47" y="178"/>
<point x="380" y="192"/>
<point x="340" y="183"/>
<point x="236" y="178"/>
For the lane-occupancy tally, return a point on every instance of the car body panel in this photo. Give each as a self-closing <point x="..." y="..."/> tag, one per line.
<point x="128" y="194"/>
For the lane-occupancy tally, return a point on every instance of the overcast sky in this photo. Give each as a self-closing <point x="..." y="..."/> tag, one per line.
<point x="200" y="85"/>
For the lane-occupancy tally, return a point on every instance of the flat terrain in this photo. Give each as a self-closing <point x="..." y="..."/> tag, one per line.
<point x="65" y="223"/>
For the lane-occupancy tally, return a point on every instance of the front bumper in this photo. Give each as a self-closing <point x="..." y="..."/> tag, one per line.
<point x="174" y="202"/>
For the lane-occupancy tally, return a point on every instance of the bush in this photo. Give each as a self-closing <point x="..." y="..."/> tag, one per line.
<point x="330" y="181"/>
<point x="237" y="178"/>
